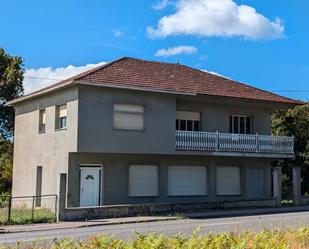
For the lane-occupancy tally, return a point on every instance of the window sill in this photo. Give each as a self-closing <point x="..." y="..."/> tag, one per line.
<point x="41" y="132"/>
<point x="178" y="196"/>
<point x="129" y="130"/>
<point x="61" y="129"/>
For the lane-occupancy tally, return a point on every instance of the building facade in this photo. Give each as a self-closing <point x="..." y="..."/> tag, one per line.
<point x="135" y="132"/>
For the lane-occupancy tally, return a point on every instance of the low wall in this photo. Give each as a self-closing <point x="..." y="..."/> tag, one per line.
<point x="114" y="211"/>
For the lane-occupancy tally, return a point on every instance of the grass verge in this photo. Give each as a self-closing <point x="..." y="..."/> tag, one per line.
<point x="24" y="216"/>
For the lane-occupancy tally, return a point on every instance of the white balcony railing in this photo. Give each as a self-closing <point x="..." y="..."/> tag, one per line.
<point x="226" y="142"/>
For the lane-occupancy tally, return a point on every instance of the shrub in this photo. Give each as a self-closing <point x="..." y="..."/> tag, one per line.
<point x="276" y="239"/>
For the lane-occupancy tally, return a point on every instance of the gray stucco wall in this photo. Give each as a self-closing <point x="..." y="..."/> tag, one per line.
<point x="50" y="149"/>
<point x="115" y="179"/>
<point x="96" y="133"/>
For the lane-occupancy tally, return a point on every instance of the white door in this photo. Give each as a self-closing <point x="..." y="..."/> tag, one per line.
<point x="90" y="185"/>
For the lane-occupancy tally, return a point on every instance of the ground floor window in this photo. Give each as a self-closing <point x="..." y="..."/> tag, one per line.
<point x="143" y="180"/>
<point x="38" y="190"/>
<point x="228" y="180"/>
<point x="187" y="180"/>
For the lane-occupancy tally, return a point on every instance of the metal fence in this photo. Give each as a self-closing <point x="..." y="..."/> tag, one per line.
<point x="28" y="209"/>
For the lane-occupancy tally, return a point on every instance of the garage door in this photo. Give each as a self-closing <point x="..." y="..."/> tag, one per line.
<point x="228" y="181"/>
<point x="255" y="183"/>
<point x="143" y="180"/>
<point x="187" y="180"/>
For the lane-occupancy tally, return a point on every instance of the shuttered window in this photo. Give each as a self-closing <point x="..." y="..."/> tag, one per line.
<point x="61" y="117"/>
<point x="143" y="180"/>
<point x="188" y="121"/>
<point x="42" y="120"/>
<point x="228" y="181"/>
<point x="128" y="117"/>
<point x="187" y="180"/>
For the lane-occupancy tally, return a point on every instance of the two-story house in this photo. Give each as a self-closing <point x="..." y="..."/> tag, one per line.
<point x="135" y="131"/>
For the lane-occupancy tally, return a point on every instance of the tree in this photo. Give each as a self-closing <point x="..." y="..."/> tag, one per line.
<point x="11" y="86"/>
<point x="294" y="122"/>
<point x="6" y="166"/>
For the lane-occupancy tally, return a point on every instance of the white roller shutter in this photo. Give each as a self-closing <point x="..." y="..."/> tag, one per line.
<point x="62" y="111"/>
<point x="128" y="117"/>
<point x="143" y="180"/>
<point x="228" y="181"/>
<point x="43" y="113"/>
<point x="187" y="180"/>
<point x="187" y="115"/>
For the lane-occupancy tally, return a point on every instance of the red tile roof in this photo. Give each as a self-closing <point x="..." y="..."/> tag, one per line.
<point x="158" y="76"/>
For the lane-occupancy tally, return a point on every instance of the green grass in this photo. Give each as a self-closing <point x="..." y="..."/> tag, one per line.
<point x="265" y="239"/>
<point x="23" y="215"/>
<point x="287" y="202"/>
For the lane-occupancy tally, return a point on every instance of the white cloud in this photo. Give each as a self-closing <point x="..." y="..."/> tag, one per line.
<point x="160" y="5"/>
<point x="118" y="33"/>
<point x="217" y="18"/>
<point x="176" y="50"/>
<point x="215" y="73"/>
<point x="35" y="79"/>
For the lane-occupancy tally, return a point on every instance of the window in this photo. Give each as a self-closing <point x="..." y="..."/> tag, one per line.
<point x="143" y="180"/>
<point x="228" y="181"/>
<point x="128" y="117"/>
<point x="187" y="180"/>
<point x="240" y="124"/>
<point x="42" y="120"/>
<point x="187" y="121"/>
<point x="38" y="191"/>
<point x="61" y="117"/>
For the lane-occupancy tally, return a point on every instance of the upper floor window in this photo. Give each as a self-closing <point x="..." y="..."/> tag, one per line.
<point x="128" y="117"/>
<point x="42" y="120"/>
<point x="61" y="117"/>
<point x="240" y="124"/>
<point x="188" y="121"/>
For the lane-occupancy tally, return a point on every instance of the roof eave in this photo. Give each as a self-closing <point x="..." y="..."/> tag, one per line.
<point x="39" y="93"/>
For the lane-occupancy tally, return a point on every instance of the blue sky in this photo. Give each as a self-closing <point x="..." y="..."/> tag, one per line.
<point x="263" y="43"/>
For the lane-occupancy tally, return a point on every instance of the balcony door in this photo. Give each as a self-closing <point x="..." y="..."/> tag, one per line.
<point x="188" y="121"/>
<point x="240" y="124"/>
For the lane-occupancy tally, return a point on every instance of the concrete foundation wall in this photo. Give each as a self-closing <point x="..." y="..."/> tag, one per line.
<point x="304" y="200"/>
<point x="50" y="149"/>
<point x="154" y="209"/>
<point x="116" y="167"/>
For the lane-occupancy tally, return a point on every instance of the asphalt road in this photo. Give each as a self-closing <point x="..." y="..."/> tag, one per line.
<point x="185" y="227"/>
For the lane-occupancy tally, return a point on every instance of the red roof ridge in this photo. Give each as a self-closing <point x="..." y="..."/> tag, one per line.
<point x="93" y="70"/>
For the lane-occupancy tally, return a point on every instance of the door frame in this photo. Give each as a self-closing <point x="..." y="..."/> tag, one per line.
<point x="101" y="182"/>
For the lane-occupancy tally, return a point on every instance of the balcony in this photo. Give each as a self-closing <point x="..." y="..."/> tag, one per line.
<point x="226" y="142"/>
